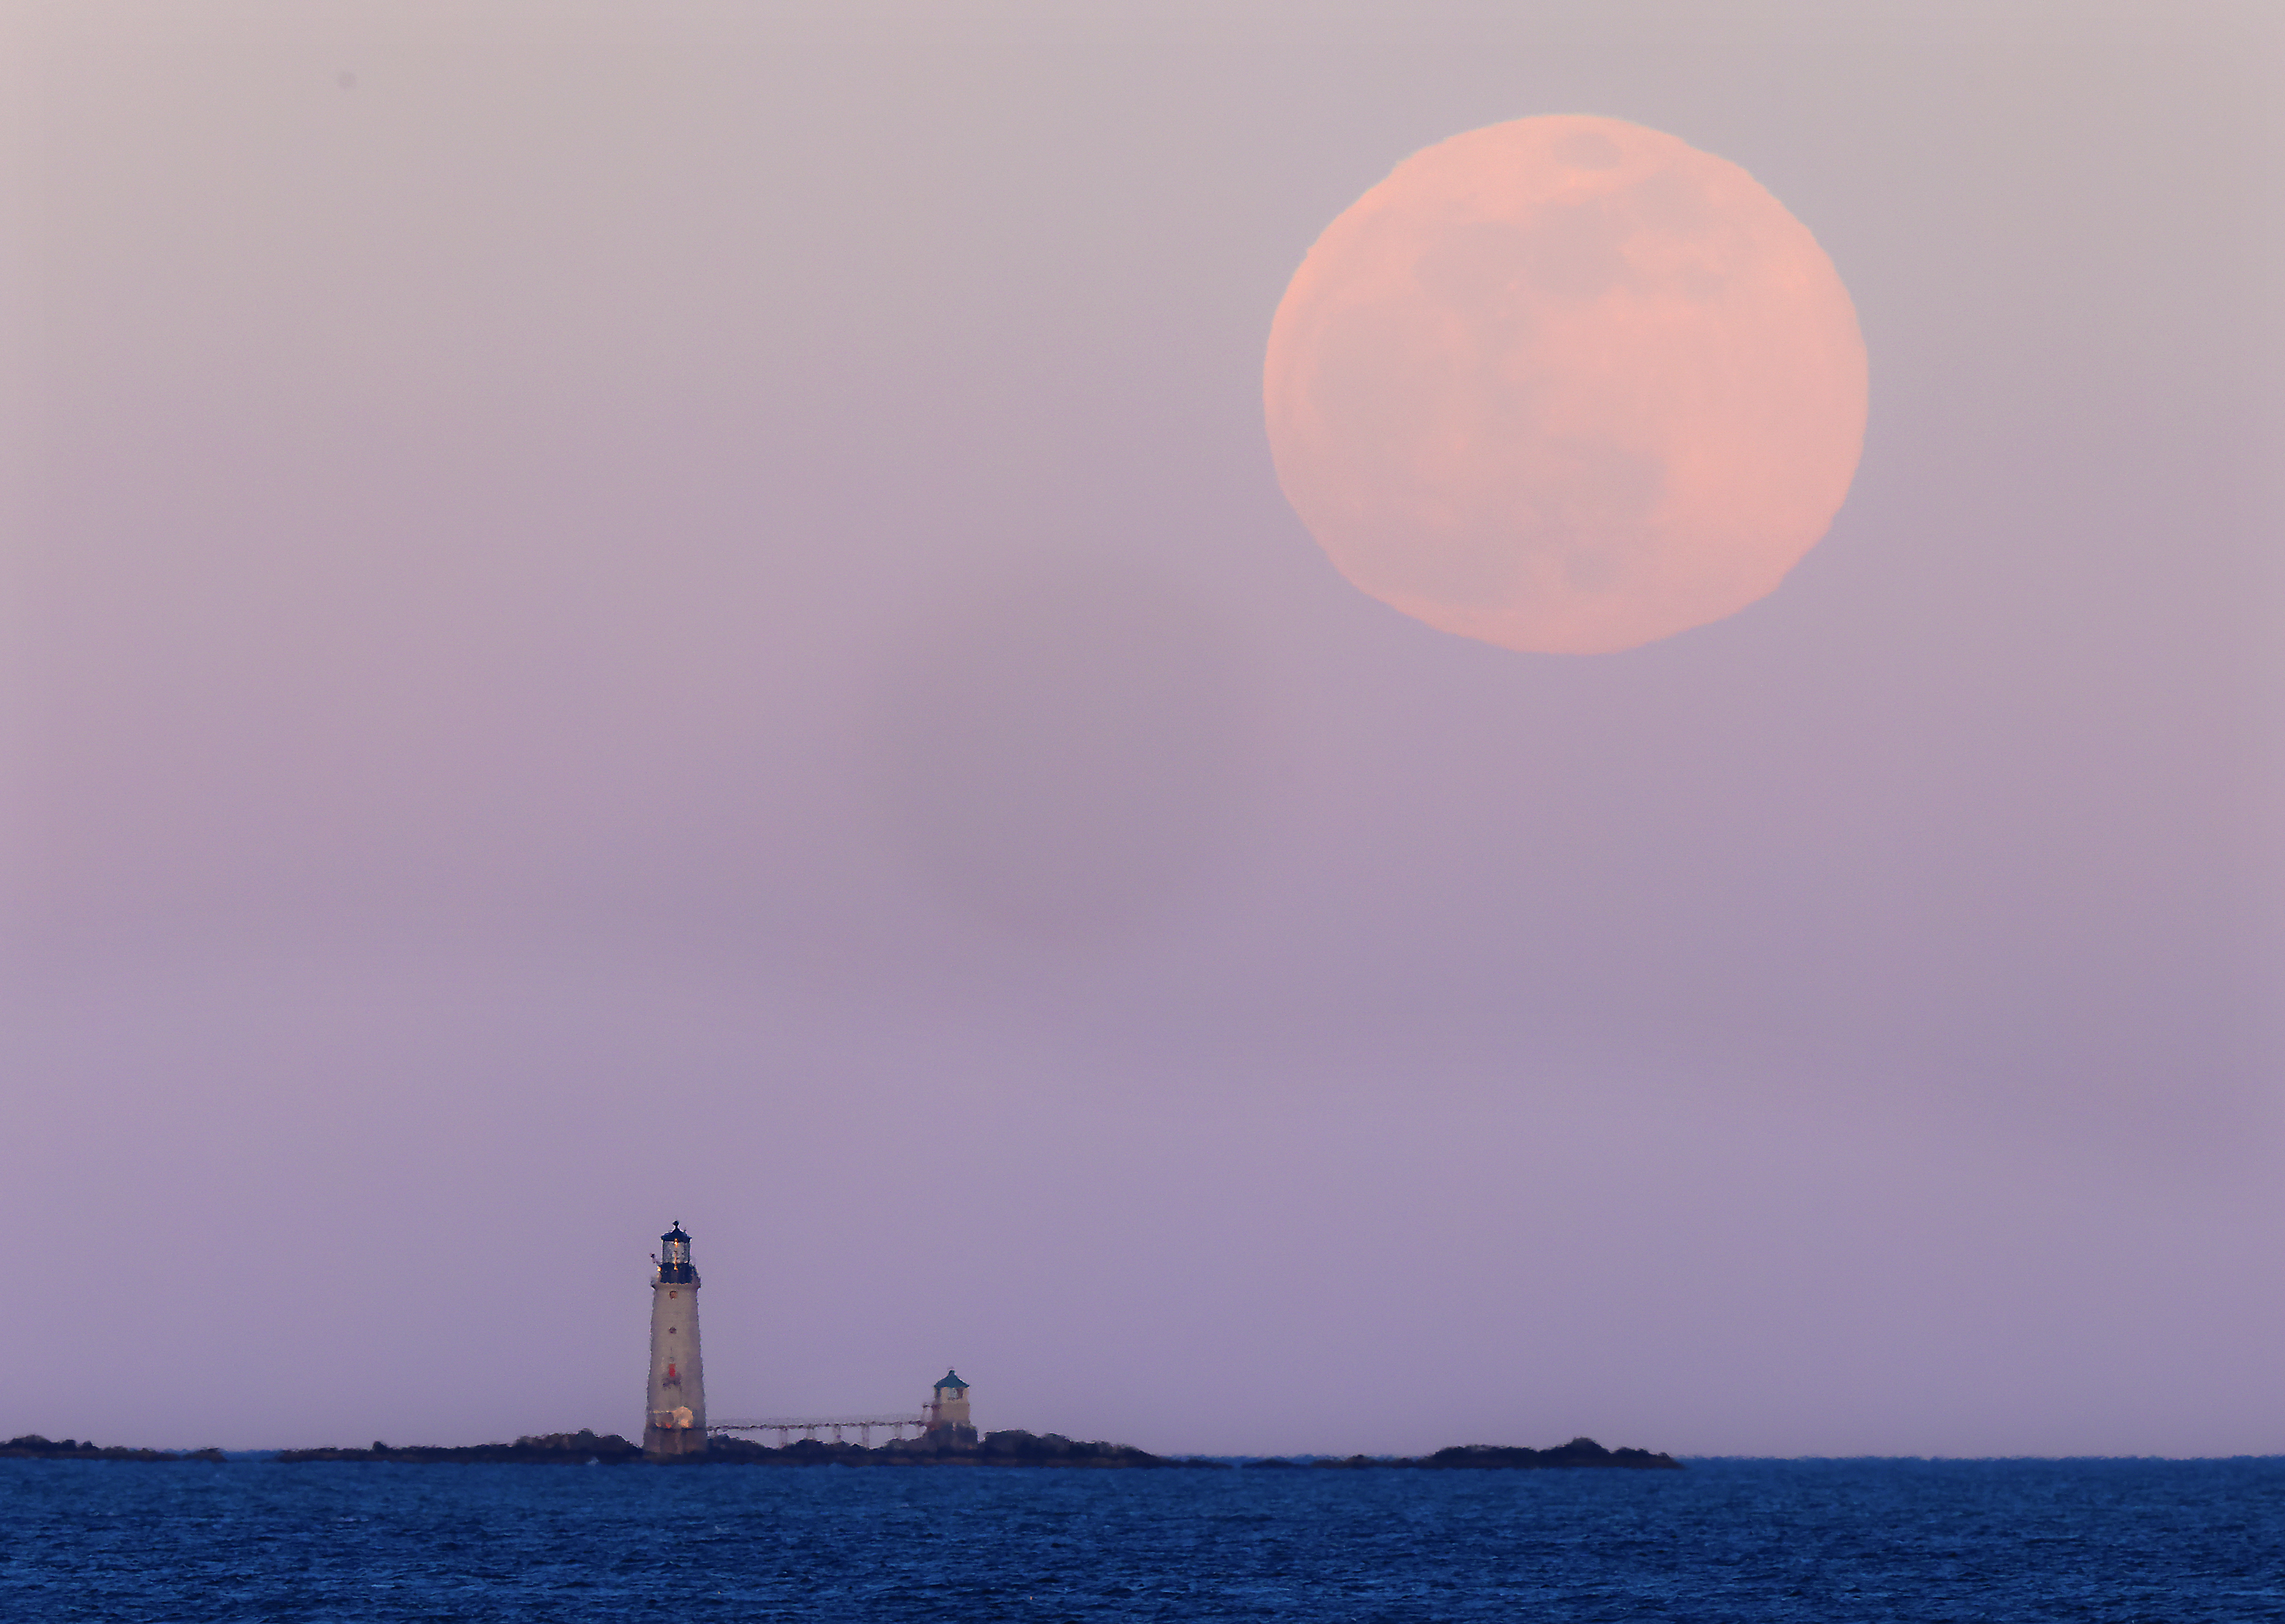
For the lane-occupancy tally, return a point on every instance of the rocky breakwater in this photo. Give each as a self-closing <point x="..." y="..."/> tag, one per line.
<point x="33" y="1447"/>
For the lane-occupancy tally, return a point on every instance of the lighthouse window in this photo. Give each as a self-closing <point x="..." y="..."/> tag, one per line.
<point x="674" y="1293"/>
<point x="669" y="1330"/>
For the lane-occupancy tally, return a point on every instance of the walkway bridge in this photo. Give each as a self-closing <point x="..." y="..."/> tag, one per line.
<point x="810" y="1426"/>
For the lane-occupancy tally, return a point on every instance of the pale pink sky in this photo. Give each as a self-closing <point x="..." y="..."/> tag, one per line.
<point x="613" y="612"/>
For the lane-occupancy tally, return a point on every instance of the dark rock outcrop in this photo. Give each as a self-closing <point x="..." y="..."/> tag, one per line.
<point x="943" y="1446"/>
<point x="1578" y="1452"/>
<point x="33" y="1447"/>
<point x="1020" y="1448"/>
<point x="554" y="1449"/>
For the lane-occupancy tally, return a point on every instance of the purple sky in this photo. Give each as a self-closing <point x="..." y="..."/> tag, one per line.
<point x="613" y="612"/>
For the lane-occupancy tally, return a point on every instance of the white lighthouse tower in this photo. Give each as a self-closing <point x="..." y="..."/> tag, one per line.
<point x="674" y="1421"/>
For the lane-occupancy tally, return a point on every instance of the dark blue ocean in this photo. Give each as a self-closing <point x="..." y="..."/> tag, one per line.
<point x="1830" y="1541"/>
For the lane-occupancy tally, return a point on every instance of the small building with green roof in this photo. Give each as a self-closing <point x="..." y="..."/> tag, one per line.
<point x="947" y="1405"/>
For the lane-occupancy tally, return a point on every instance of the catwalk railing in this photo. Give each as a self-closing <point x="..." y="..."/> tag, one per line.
<point x="810" y="1426"/>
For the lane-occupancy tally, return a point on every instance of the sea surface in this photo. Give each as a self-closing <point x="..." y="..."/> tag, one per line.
<point x="1829" y="1541"/>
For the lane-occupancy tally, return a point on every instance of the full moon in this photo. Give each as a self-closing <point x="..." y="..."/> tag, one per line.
<point x="1567" y="384"/>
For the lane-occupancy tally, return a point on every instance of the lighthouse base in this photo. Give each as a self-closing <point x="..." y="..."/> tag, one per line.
<point x="667" y="1443"/>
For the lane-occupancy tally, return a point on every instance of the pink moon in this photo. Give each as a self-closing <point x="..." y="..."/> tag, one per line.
<point x="1568" y="385"/>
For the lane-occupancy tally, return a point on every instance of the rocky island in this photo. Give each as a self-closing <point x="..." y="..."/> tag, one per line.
<point x="944" y="1447"/>
<point x="961" y="1447"/>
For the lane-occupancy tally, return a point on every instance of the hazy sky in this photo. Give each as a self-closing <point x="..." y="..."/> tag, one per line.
<point x="614" y="613"/>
